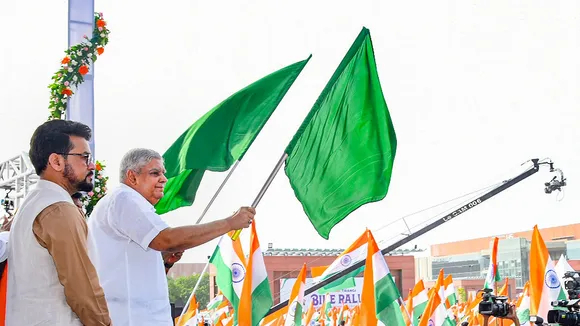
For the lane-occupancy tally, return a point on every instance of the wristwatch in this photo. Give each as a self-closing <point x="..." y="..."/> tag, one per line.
<point x="167" y="265"/>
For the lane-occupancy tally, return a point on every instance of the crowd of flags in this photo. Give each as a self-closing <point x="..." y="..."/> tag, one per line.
<point x="245" y="298"/>
<point x="439" y="305"/>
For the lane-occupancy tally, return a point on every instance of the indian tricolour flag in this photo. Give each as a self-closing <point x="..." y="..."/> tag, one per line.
<point x="449" y="291"/>
<point x="523" y="306"/>
<point x="294" y="317"/>
<point x="256" y="298"/>
<point x="420" y="300"/>
<point x="407" y="309"/>
<point x="379" y="304"/>
<point x="435" y="313"/>
<point x="229" y="261"/>
<point x="215" y="302"/>
<point x="309" y="313"/>
<point x="545" y="284"/>
<point x="492" y="272"/>
<point x="353" y="254"/>
<point x="562" y="266"/>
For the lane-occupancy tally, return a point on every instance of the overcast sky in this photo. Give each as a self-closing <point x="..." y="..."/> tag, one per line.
<point x="475" y="88"/>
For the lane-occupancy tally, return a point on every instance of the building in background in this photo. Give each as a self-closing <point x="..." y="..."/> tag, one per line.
<point x="285" y="264"/>
<point x="469" y="259"/>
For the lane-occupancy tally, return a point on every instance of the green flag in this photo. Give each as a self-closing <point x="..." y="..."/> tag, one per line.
<point x="342" y="156"/>
<point x="222" y="136"/>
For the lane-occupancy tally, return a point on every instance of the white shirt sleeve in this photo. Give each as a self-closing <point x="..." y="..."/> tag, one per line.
<point x="135" y="220"/>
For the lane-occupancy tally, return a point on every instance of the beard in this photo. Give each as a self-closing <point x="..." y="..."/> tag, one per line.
<point x="80" y="185"/>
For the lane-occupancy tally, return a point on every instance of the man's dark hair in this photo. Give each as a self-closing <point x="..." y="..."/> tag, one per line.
<point x="54" y="137"/>
<point x="77" y="195"/>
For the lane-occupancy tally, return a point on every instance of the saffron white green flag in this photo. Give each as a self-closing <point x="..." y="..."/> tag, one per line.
<point x="256" y="299"/>
<point x="420" y="300"/>
<point x="492" y="272"/>
<point x="379" y="304"/>
<point x="435" y="313"/>
<point x="295" y="308"/>
<point x="523" y="309"/>
<point x="229" y="262"/>
<point x="545" y="286"/>
<point x="215" y="302"/>
<point x="450" y="291"/>
<point x="352" y="255"/>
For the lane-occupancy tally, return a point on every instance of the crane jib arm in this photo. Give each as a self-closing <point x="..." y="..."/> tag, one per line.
<point x="464" y="208"/>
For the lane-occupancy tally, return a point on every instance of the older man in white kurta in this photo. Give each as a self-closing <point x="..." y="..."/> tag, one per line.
<point x="126" y="238"/>
<point x="121" y="228"/>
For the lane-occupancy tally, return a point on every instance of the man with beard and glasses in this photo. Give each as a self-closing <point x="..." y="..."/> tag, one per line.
<point x="127" y="240"/>
<point x="51" y="280"/>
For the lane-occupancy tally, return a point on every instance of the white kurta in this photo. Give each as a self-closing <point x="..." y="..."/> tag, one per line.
<point x="35" y="295"/>
<point x="121" y="227"/>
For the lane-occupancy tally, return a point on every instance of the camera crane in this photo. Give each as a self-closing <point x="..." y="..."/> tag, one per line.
<point x="553" y="185"/>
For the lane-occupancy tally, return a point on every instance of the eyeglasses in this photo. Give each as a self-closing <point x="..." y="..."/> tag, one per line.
<point x="85" y="155"/>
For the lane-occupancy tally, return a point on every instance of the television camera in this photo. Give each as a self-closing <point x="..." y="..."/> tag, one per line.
<point x="492" y="305"/>
<point x="557" y="182"/>
<point x="571" y="317"/>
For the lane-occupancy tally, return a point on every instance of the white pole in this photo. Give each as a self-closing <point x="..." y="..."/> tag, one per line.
<point x="217" y="192"/>
<point x="264" y="188"/>
<point x="192" y="293"/>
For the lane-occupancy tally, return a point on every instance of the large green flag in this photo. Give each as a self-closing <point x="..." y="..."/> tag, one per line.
<point x="222" y="136"/>
<point x="342" y="156"/>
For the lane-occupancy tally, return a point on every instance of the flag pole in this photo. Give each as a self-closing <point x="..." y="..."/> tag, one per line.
<point x="495" y="290"/>
<point x="402" y="303"/>
<point x="217" y="192"/>
<point x="192" y="293"/>
<point x="264" y="188"/>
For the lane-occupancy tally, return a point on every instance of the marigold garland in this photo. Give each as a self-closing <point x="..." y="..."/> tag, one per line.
<point x="74" y="66"/>
<point x="99" y="190"/>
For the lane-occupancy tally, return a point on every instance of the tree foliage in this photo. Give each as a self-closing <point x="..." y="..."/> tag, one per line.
<point x="461" y="295"/>
<point x="180" y="289"/>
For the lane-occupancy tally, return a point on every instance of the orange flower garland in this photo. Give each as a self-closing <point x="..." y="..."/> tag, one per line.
<point x="99" y="189"/>
<point x="74" y="66"/>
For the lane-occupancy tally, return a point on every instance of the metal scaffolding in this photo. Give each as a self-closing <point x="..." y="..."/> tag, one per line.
<point x="17" y="175"/>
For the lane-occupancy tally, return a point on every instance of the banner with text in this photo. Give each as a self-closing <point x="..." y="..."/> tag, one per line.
<point x="350" y="297"/>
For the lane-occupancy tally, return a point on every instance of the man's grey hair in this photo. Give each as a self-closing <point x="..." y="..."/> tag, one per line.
<point x="135" y="160"/>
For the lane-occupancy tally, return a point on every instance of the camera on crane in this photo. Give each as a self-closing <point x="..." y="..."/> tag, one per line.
<point x="554" y="185"/>
<point x="557" y="182"/>
<point x="492" y="305"/>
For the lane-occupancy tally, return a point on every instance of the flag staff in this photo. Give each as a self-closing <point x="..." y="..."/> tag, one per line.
<point x="217" y="192"/>
<point x="193" y="292"/>
<point x="264" y="188"/>
<point x="402" y="303"/>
